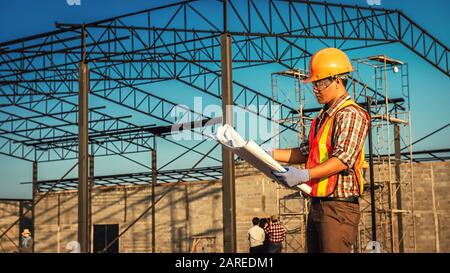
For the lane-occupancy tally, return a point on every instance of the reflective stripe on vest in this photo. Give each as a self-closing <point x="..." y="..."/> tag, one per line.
<point x="320" y="150"/>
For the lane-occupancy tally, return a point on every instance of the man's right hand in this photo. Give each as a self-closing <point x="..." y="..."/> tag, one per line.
<point x="293" y="176"/>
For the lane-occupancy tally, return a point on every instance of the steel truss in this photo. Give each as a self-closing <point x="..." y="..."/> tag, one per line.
<point x="141" y="178"/>
<point x="38" y="72"/>
<point x="179" y="42"/>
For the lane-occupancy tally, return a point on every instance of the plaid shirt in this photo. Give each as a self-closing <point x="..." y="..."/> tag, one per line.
<point x="276" y="232"/>
<point x="350" y="130"/>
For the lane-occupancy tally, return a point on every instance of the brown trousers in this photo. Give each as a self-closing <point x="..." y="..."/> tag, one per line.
<point x="332" y="226"/>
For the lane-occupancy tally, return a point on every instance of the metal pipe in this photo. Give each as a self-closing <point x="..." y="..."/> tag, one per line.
<point x="225" y="16"/>
<point x="372" y="178"/>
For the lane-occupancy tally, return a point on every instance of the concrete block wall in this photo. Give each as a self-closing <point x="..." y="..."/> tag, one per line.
<point x="432" y="224"/>
<point x="191" y="211"/>
<point x="187" y="212"/>
<point x="9" y="212"/>
<point x="431" y="218"/>
<point x="198" y="202"/>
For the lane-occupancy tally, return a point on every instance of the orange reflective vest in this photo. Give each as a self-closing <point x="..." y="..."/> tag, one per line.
<point x="320" y="150"/>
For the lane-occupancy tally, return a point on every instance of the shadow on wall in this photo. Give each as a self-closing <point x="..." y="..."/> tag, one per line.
<point x="59" y="210"/>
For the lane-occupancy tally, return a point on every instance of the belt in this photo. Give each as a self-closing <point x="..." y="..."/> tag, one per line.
<point x="353" y="199"/>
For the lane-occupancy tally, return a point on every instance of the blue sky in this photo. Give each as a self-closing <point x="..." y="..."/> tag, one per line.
<point x="429" y="88"/>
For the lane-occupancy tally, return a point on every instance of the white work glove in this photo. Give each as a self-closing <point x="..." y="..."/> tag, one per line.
<point x="293" y="176"/>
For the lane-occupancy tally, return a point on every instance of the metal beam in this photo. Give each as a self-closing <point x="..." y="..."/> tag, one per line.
<point x="372" y="176"/>
<point x="168" y="176"/>
<point x="398" y="187"/>
<point x="91" y="188"/>
<point x="228" y="181"/>
<point x="33" y="208"/>
<point x="154" y="181"/>
<point x="83" y="158"/>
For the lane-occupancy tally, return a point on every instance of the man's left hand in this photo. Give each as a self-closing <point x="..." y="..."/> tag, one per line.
<point x="293" y="176"/>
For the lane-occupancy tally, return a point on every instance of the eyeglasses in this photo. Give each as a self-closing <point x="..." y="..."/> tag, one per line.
<point x="322" y="84"/>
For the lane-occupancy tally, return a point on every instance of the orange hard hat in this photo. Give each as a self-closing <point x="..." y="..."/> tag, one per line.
<point x="326" y="63"/>
<point x="26" y="231"/>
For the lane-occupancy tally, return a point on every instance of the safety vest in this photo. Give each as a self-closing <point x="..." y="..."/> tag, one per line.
<point x="320" y="150"/>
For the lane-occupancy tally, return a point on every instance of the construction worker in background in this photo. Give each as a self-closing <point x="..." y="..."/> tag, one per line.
<point x="276" y="232"/>
<point x="26" y="242"/>
<point x="333" y="153"/>
<point x="256" y="236"/>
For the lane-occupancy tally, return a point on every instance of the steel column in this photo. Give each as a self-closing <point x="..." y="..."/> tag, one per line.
<point x="33" y="207"/>
<point x="154" y="180"/>
<point x="228" y="183"/>
<point x="83" y="158"/>
<point x="91" y="188"/>
<point x="398" y="188"/>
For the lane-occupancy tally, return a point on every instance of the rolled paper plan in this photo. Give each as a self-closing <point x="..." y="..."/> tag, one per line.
<point x="251" y="152"/>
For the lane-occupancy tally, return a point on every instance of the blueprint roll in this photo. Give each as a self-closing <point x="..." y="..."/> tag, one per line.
<point x="252" y="153"/>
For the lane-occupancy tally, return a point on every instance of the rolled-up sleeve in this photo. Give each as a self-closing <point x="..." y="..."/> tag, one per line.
<point x="351" y="125"/>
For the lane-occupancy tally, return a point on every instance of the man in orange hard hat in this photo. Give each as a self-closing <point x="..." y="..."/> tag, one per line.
<point x="334" y="155"/>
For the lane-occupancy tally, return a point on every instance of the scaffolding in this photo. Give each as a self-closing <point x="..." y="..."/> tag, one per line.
<point x="392" y="223"/>
<point x="387" y="215"/>
<point x="293" y="212"/>
<point x="292" y="207"/>
<point x="288" y="90"/>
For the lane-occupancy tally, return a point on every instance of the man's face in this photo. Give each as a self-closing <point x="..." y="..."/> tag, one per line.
<point x="325" y="90"/>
